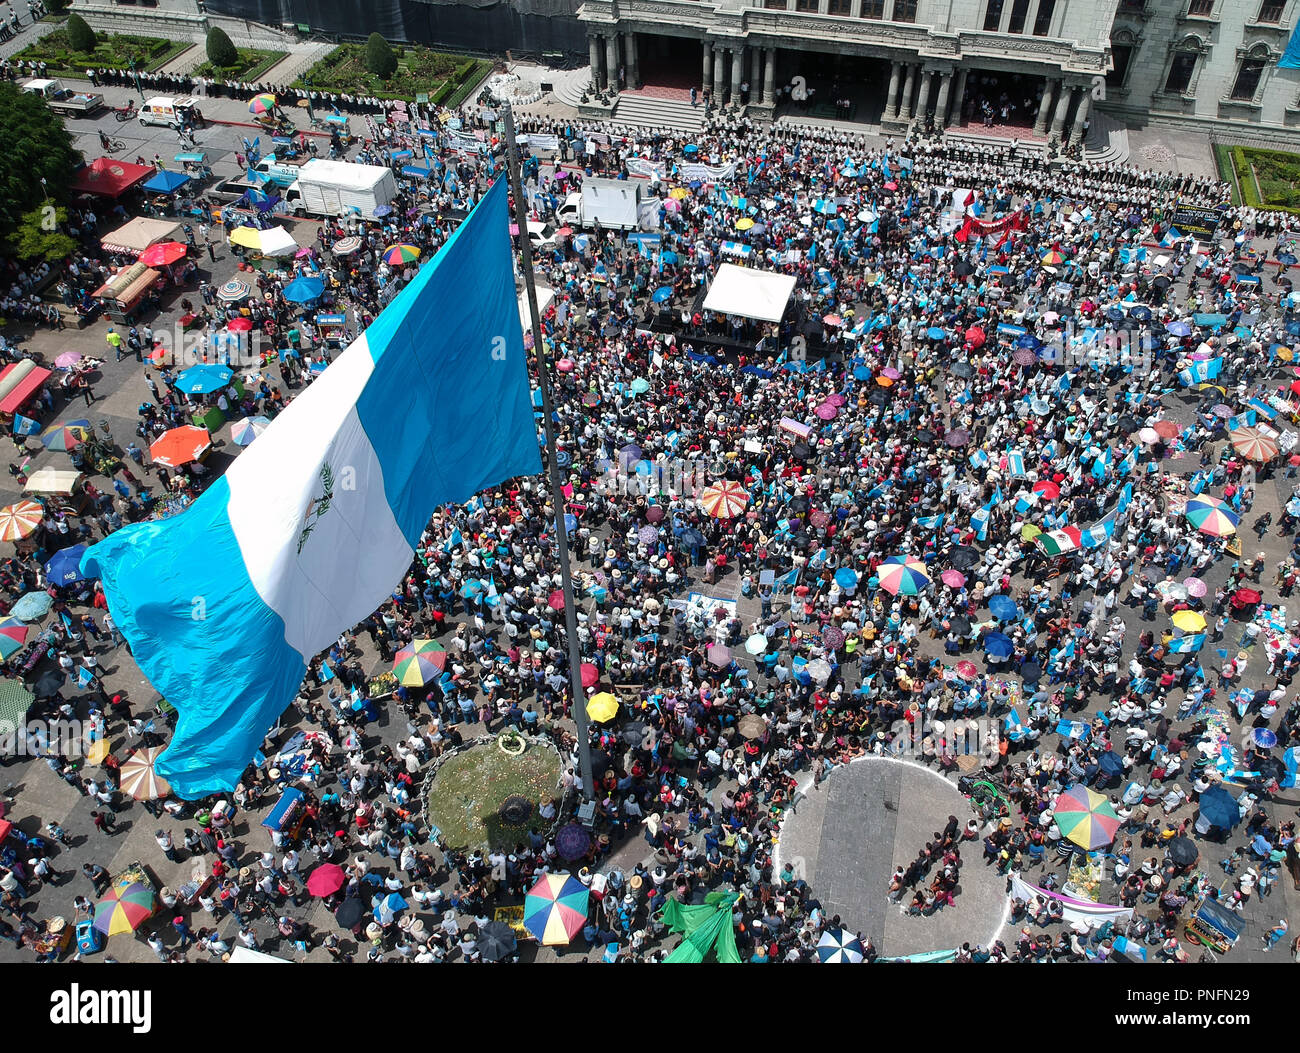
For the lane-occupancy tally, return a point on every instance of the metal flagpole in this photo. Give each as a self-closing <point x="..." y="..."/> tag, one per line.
<point x="557" y="495"/>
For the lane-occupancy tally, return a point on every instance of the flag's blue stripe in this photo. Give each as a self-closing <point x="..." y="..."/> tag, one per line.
<point x="179" y="591"/>
<point x="423" y="409"/>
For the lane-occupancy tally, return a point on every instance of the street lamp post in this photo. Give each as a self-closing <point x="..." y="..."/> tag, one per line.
<point x="135" y="75"/>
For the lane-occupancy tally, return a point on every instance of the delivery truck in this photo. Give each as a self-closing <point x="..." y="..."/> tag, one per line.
<point x="613" y="203"/>
<point x="339" y="188"/>
<point x="61" y="100"/>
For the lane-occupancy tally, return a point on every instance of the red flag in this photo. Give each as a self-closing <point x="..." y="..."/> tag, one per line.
<point x="965" y="231"/>
<point x="970" y="199"/>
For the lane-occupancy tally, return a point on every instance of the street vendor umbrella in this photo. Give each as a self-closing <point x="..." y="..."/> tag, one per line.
<point x="1196" y="587"/>
<point x="261" y="103"/>
<point x="602" y="707"/>
<point x="1189" y="621"/>
<point x="1253" y="444"/>
<point x="401" y="253"/>
<point x="1183" y="851"/>
<point x="590" y="674"/>
<point x="349" y="912"/>
<point x="15" y="701"/>
<point x="245" y="431"/>
<point x="1003" y="607"/>
<point x="900" y="576"/>
<point x="955" y="578"/>
<point x="303" y="290"/>
<point x="389" y="907"/>
<point x="240" y="325"/>
<point x="139" y="778"/>
<point x="1086" y="817"/>
<point x="756" y="644"/>
<point x="64" y="567"/>
<point x="346" y="246"/>
<point x="204" y="379"/>
<point x="1219" y="808"/>
<point x="234" y="290"/>
<point x="752" y="726"/>
<point x="124" y="909"/>
<point x="555" y="909"/>
<point x="64" y="437"/>
<point x="19" y="519"/>
<point x="572" y="841"/>
<point x="164" y="254"/>
<point x="419" y="662"/>
<point x="326" y="879"/>
<point x="181" y="446"/>
<point x="724" y="500"/>
<point x="13" y="634"/>
<point x="496" y="939"/>
<point x="1211" y="517"/>
<point x="839" y="947"/>
<point x="998" y="645"/>
<point x="33" y="606"/>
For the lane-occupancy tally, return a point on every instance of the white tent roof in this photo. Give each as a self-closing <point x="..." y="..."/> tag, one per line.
<point x="749" y="293"/>
<point x="249" y="956"/>
<point x="276" y="241"/>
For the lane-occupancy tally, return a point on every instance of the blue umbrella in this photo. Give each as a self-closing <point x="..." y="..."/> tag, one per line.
<point x="1218" y="808"/>
<point x="167" y="182"/>
<point x="1178" y="328"/>
<point x="32" y="606"/>
<point x="204" y="379"/>
<point x="1142" y="314"/>
<point x="934" y="333"/>
<point x="662" y="293"/>
<point x="997" y="268"/>
<point x="1264" y="738"/>
<point x="304" y="290"/>
<point x="691" y="537"/>
<point x="846" y="577"/>
<point x="1003" y="607"/>
<point x="1041" y="406"/>
<point x="999" y="645"/>
<point x="1114" y="314"/>
<point x="1110" y="763"/>
<point x="64" y="567"/>
<point x="1028" y="342"/>
<point x="1287" y="258"/>
<point x="471" y="589"/>
<point x="690" y="148"/>
<point x="668" y="257"/>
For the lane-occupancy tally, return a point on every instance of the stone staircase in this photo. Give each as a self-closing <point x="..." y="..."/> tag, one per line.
<point x="649" y="111"/>
<point x="995" y="139"/>
<point x="1106" y="141"/>
<point x="569" y="85"/>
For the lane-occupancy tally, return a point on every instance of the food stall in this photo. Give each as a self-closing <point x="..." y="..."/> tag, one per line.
<point x="19" y="384"/>
<point x="195" y="163"/>
<point x="134" y="237"/>
<point x="287" y="815"/>
<point x="123" y="293"/>
<point x="63" y="489"/>
<point x="330" y="328"/>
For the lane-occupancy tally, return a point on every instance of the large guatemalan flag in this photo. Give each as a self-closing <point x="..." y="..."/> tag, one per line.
<point x="310" y="529"/>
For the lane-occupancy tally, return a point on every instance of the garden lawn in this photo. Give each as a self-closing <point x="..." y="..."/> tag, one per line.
<point x="1269" y="179"/>
<point x="112" y="52"/>
<point x="440" y="74"/>
<point x="252" y="64"/>
<point x="469" y="788"/>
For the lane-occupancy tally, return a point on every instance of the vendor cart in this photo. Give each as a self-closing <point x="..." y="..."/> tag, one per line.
<point x="287" y="815"/>
<point x="1214" y="925"/>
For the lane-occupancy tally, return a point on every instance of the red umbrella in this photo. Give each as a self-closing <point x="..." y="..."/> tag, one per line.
<point x="975" y="336"/>
<point x="590" y="674"/>
<point x="181" y="446"/>
<point x="240" y="325"/>
<point x="1049" y="490"/>
<point x="326" y="879"/>
<point x="1166" y="429"/>
<point x="966" y="669"/>
<point x="654" y="514"/>
<point x="164" y="254"/>
<point x="556" y="600"/>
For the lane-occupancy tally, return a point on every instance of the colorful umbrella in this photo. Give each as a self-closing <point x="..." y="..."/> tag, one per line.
<point x="346" y="246"/>
<point x="602" y="707"/>
<point x="419" y="662"/>
<point x="1253" y="444"/>
<point x="1189" y="621"/>
<point x="326" y="879"/>
<point x="139" y="778"/>
<point x="20" y="519"/>
<point x="556" y="600"/>
<point x="13" y="634"/>
<point x="164" y="254"/>
<point x="401" y="253"/>
<point x="123" y="909"/>
<point x="839" y="947"/>
<point x="833" y="637"/>
<point x="555" y="909"/>
<point x="204" y="379"/>
<point x="724" y="500"/>
<point x="181" y="446"/>
<point x="1211" y="517"/>
<point x="679" y="193"/>
<point x="1052" y="258"/>
<point x="901" y="576"/>
<point x="64" y="437"/>
<point x="263" y="103"/>
<point x="245" y="431"/>
<point x="1196" y="587"/>
<point x="1086" y="817"/>
<point x="234" y="290"/>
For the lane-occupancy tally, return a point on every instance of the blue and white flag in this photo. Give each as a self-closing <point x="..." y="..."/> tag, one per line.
<point x="929" y="522"/>
<point x="1125" y="498"/>
<point x="1099" y="533"/>
<point x="1200" y="372"/>
<point x="453" y="541"/>
<point x="1189" y="644"/>
<point x="1015" y="464"/>
<point x="1242" y="420"/>
<point x="1128" y="463"/>
<point x="1101" y="465"/>
<point x="979" y="520"/>
<point x="979" y="459"/>
<point x="311" y="527"/>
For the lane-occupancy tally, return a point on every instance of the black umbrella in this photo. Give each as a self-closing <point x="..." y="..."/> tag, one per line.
<point x="924" y="435"/>
<point x="1030" y="672"/>
<point x="633" y="734"/>
<point x="878" y="397"/>
<point x="961" y="369"/>
<point x="799" y="504"/>
<point x="963" y="557"/>
<point x="1243" y="268"/>
<point x="963" y="268"/>
<point x="959" y="624"/>
<point x="572" y="841"/>
<point x="691" y="537"/>
<point x="1183" y="852"/>
<point x="1129" y="423"/>
<point x="49" y="684"/>
<point x="350" y="912"/>
<point x="1161" y="281"/>
<point x="801" y="451"/>
<point x="496" y="940"/>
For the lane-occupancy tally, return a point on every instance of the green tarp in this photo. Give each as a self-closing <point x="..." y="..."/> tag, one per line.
<point x="707" y="926"/>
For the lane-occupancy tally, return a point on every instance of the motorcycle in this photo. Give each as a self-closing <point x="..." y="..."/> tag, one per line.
<point x="125" y="113"/>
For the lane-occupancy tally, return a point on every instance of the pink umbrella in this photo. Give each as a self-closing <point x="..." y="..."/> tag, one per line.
<point x="590" y="674"/>
<point x="654" y="514"/>
<point x="966" y="669"/>
<point x="556" y="600"/>
<point x="833" y="320"/>
<point x="565" y="365"/>
<point x="890" y="372"/>
<point x="826" y="411"/>
<point x="719" y="655"/>
<point x="306" y="251"/>
<point x="955" y="578"/>
<point x="673" y="205"/>
<point x="514" y="230"/>
<point x="818" y="518"/>
<point x="836" y="399"/>
<point x="1196" y="587"/>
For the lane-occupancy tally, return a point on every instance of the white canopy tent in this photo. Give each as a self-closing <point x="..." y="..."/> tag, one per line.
<point x="749" y="293"/>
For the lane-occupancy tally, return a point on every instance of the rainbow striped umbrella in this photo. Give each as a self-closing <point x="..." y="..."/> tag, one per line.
<point x="1053" y="257"/>
<point x="1211" y="517"/>
<point x="20" y="519"/>
<point x="401" y="253"/>
<point x="13" y="634"/>
<point x="1086" y="817"/>
<point x="64" y="437"/>
<point x="123" y="909"/>
<point x="420" y="662"/>
<point x="901" y="576"/>
<point x="555" y="909"/>
<point x="724" y="500"/>
<point x="263" y="103"/>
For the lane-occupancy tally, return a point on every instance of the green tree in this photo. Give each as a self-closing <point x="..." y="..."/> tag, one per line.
<point x="38" y="148"/>
<point x="380" y="59"/>
<point x="81" y="37"/>
<point x="39" y="236"/>
<point x="57" y="6"/>
<point x="221" y="52"/>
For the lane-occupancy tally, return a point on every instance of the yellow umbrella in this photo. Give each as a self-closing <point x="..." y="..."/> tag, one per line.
<point x="1189" y="621"/>
<point x="246" y="237"/>
<point x="744" y="223"/>
<point x="97" y="752"/>
<point x="602" y="707"/>
<point x="679" y="192"/>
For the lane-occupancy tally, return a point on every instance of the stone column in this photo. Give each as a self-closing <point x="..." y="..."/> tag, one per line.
<point x="737" y="73"/>
<point x="1081" y="115"/>
<point x="924" y="99"/>
<point x="755" y="74"/>
<point x="1062" y="108"/>
<point x="1044" y="107"/>
<point x="905" y="107"/>
<point x="611" y="61"/>
<point x="633" y="72"/>
<point x="708" y="66"/>
<point x="941" y="104"/>
<point x="891" y="100"/>
<point x="769" y="78"/>
<point x="593" y="47"/>
<point x="719" y="64"/>
<point x="959" y="96"/>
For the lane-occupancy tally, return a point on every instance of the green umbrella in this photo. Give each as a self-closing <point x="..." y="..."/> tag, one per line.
<point x="15" y="700"/>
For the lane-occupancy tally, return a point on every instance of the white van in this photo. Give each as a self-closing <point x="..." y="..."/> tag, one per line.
<point x="166" y="111"/>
